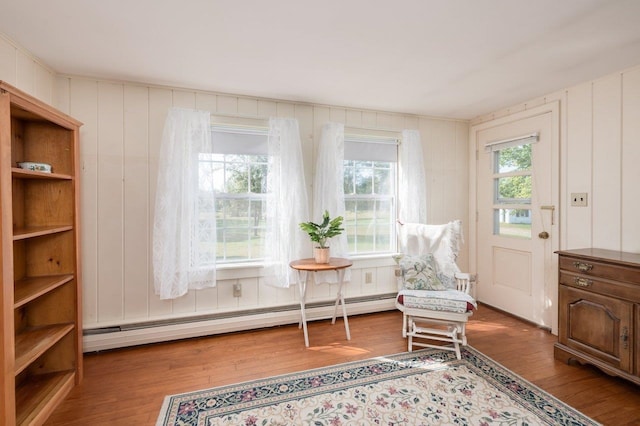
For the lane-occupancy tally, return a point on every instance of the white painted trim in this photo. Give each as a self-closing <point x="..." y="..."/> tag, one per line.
<point x="120" y="339"/>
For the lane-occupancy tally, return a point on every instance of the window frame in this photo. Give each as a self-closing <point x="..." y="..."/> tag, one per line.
<point x="389" y="140"/>
<point x="501" y="204"/>
<point x="254" y="128"/>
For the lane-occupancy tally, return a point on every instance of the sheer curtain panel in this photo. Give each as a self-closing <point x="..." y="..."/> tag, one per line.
<point x="183" y="245"/>
<point x="328" y="191"/>
<point x="287" y="202"/>
<point x="412" y="189"/>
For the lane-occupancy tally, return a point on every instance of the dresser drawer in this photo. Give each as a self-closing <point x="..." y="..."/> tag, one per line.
<point x="600" y="270"/>
<point x="626" y="291"/>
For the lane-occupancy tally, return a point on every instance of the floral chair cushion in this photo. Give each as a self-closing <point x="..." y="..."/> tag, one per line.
<point x="419" y="273"/>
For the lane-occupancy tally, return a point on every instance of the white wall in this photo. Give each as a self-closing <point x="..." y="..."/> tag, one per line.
<point x="600" y="148"/>
<point x="119" y="146"/>
<point x="21" y="69"/>
<point x="600" y="153"/>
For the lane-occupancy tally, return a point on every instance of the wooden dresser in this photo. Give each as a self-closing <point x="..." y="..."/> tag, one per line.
<point x="599" y="310"/>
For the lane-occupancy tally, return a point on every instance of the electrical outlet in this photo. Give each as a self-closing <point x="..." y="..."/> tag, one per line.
<point x="579" y="199"/>
<point x="368" y="277"/>
<point x="237" y="290"/>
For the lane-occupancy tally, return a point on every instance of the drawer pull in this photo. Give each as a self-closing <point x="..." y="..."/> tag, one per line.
<point x="583" y="267"/>
<point x="582" y="282"/>
<point x="625" y="337"/>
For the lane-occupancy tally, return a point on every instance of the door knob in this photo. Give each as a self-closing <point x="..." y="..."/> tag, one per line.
<point x="544" y="235"/>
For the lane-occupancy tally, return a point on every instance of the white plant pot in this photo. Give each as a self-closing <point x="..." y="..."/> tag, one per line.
<point x="321" y="255"/>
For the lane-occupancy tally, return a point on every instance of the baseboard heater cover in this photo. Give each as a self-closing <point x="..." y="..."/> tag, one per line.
<point x="205" y="325"/>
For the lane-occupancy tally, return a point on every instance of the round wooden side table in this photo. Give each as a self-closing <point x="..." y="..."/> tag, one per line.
<point x="303" y="267"/>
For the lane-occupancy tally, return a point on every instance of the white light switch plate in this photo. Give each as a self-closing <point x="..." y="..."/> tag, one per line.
<point x="579" y="199"/>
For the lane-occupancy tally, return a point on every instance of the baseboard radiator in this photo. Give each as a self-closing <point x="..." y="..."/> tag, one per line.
<point x="205" y="325"/>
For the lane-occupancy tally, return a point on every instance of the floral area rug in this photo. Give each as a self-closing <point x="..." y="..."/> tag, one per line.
<point x="424" y="387"/>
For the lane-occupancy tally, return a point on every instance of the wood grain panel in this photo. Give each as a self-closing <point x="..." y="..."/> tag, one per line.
<point x="460" y="184"/>
<point x="249" y="298"/>
<point x="206" y="102"/>
<point x="386" y="280"/>
<point x="369" y="119"/>
<point x="606" y="162"/>
<point x="225" y="294"/>
<point x="227" y="104"/>
<point x="354" y="118"/>
<point x="446" y="169"/>
<point x="44" y="82"/>
<point x="7" y="61"/>
<point x="110" y="201"/>
<point x="53" y="145"/>
<point x="136" y="201"/>
<point x="48" y="203"/>
<point x="25" y="72"/>
<point x="19" y="68"/>
<point x="184" y="99"/>
<point x="338" y="115"/>
<point x="578" y="163"/>
<point x="410" y="122"/>
<point x="384" y="121"/>
<point x="61" y="96"/>
<point x="159" y="104"/>
<point x="84" y="107"/>
<point x="430" y="152"/>
<point x="248" y="107"/>
<point x="267" y="109"/>
<point x="285" y="110"/>
<point x="398" y="122"/>
<point x="630" y="155"/>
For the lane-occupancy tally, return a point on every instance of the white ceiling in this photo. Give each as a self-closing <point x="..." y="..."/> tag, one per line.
<point x="447" y="58"/>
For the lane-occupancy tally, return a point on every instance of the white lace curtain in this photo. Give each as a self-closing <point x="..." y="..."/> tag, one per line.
<point x="287" y="202"/>
<point x="180" y="261"/>
<point x="328" y="191"/>
<point x="412" y="188"/>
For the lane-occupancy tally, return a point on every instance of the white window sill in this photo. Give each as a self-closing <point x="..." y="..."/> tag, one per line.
<point x="254" y="269"/>
<point x="240" y="265"/>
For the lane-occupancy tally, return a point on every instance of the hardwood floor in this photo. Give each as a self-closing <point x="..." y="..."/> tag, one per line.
<point x="127" y="386"/>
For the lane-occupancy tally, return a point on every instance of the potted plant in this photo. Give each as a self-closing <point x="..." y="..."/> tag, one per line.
<point x="320" y="233"/>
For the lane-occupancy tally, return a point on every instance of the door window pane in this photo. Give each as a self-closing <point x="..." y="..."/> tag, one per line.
<point x="512" y="223"/>
<point x="513" y="159"/>
<point x="512" y="190"/>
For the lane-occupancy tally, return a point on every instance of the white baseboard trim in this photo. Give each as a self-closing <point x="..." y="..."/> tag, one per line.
<point x="164" y="333"/>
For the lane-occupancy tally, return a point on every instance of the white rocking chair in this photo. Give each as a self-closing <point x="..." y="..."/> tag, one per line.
<point x="434" y="296"/>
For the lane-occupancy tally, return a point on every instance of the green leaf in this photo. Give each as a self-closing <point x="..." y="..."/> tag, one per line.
<point x="329" y="228"/>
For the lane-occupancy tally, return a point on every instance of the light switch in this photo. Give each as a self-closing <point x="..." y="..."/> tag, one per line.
<point x="579" y="199"/>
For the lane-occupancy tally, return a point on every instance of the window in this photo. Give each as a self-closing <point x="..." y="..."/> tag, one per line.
<point x="512" y="190"/>
<point x="236" y="173"/>
<point x="370" y="167"/>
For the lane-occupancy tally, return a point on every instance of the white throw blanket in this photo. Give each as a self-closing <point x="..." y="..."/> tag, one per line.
<point x="443" y="241"/>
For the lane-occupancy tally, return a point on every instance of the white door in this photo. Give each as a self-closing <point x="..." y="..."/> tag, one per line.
<point x="517" y="216"/>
